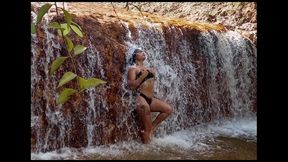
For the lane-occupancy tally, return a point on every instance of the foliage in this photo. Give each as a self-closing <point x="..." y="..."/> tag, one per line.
<point x="88" y="83"/>
<point x="64" y="30"/>
<point x="56" y="64"/>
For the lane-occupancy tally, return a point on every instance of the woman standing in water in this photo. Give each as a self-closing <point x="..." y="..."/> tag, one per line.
<point x="141" y="81"/>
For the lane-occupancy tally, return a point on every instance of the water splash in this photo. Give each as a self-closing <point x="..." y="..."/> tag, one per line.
<point x="186" y="144"/>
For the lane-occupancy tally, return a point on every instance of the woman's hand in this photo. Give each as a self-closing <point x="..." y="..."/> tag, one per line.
<point x="145" y="72"/>
<point x="152" y="70"/>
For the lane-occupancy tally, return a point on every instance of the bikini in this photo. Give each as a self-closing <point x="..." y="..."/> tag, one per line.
<point x="150" y="75"/>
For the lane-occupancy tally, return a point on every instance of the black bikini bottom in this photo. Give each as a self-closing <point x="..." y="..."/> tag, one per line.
<point x="148" y="99"/>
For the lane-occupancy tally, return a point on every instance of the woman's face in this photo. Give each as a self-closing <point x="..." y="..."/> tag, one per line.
<point x="141" y="56"/>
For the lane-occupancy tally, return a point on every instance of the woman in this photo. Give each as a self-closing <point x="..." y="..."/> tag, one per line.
<point x="141" y="81"/>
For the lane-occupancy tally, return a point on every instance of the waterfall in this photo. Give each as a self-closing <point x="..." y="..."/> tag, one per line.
<point x="207" y="77"/>
<point x="55" y="116"/>
<point x="42" y="79"/>
<point x="226" y="55"/>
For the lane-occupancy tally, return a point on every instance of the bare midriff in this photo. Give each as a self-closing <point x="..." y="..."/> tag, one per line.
<point x="147" y="87"/>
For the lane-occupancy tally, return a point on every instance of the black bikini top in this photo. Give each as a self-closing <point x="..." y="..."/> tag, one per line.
<point x="150" y="75"/>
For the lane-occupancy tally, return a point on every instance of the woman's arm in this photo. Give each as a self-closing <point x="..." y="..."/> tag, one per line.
<point x="133" y="83"/>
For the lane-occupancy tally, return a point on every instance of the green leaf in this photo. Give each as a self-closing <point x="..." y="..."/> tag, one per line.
<point x="54" y="25"/>
<point x="89" y="83"/>
<point x="65" y="28"/>
<point x="33" y="28"/>
<point x="77" y="30"/>
<point x="79" y="49"/>
<point x="69" y="43"/>
<point x="67" y="77"/>
<point x="65" y="95"/>
<point x="42" y="11"/>
<point x="76" y="25"/>
<point x="56" y="64"/>
<point x="59" y="32"/>
<point x="67" y="17"/>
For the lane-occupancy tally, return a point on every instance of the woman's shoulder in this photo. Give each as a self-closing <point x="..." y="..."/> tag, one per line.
<point x="132" y="68"/>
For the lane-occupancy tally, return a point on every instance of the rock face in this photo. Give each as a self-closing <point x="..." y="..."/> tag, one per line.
<point x="203" y="70"/>
<point x="238" y="16"/>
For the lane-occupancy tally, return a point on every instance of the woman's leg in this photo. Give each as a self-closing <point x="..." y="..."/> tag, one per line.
<point x="143" y="110"/>
<point x="162" y="107"/>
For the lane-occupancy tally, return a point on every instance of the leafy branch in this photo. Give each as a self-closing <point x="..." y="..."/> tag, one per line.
<point x="73" y="51"/>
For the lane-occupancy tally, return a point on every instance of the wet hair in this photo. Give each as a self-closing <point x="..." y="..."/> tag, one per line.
<point x="133" y="58"/>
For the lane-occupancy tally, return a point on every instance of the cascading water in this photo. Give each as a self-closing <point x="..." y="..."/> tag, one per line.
<point x="88" y="71"/>
<point x="54" y="116"/>
<point x="209" y="78"/>
<point x="39" y="79"/>
<point x="178" y="81"/>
